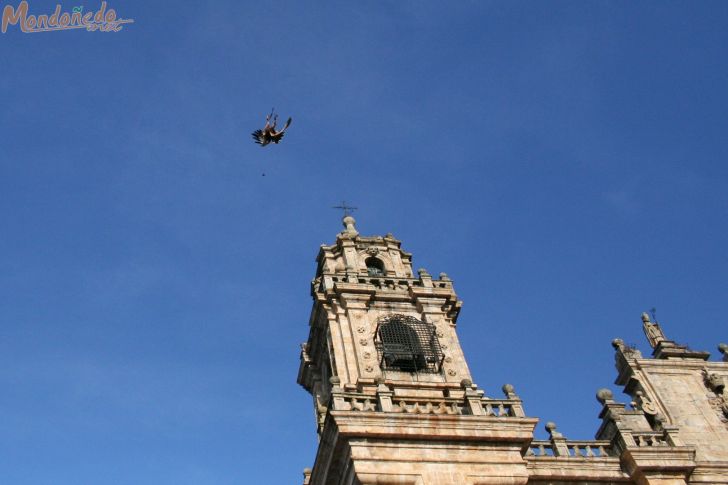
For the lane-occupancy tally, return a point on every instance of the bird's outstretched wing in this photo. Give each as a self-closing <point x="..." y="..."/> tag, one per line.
<point x="259" y="137"/>
<point x="278" y="135"/>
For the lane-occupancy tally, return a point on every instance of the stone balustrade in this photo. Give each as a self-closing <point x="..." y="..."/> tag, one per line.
<point x="382" y="402"/>
<point x="381" y="283"/>
<point x="651" y="438"/>
<point x="576" y="449"/>
<point x="419" y="406"/>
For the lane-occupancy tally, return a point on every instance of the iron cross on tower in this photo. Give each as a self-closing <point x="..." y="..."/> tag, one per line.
<point x="346" y="208"/>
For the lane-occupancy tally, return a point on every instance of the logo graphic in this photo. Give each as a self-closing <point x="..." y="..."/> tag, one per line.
<point x="102" y="20"/>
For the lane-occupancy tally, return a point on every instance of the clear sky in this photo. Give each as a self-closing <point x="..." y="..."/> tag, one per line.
<point x="563" y="162"/>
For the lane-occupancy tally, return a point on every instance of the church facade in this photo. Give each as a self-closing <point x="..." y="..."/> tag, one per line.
<point x="395" y="403"/>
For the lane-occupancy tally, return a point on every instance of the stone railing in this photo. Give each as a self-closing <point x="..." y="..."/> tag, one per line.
<point x="650" y="438"/>
<point x="570" y="449"/>
<point x="385" y="402"/>
<point x="559" y="446"/>
<point x="382" y="283"/>
<point x="423" y="406"/>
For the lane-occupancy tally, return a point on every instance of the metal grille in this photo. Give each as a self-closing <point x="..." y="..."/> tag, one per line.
<point x="407" y="344"/>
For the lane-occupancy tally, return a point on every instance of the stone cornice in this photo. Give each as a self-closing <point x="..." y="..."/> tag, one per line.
<point x="710" y="472"/>
<point x="673" y="460"/>
<point x="678" y="365"/>
<point x="665" y="366"/>
<point x="435" y="427"/>
<point x="341" y="288"/>
<point x="571" y="468"/>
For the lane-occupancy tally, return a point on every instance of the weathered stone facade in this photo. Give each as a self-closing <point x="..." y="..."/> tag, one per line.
<point x="395" y="402"/>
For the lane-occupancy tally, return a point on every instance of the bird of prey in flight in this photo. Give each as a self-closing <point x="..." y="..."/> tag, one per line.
<point x="269" y="134"/>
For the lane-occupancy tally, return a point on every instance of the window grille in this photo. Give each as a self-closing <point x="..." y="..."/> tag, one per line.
<point x="407" y="344"/>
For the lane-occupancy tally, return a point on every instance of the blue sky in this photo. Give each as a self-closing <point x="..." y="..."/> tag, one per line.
<point x="563" y="162"/>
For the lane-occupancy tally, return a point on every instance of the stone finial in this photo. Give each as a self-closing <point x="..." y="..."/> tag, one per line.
<point x="306" y="476"/>
<point x="466" y="383"/>
<point x="509" y="391"/>
<point x="349" y="222"/>
<point x="334" y="380"/>
<point x="628" y="351"/>
<point x="604" y="395"/>
<point x="551" y="429"/>
<point x="423" y="272"/>
<point x="645" y="317"/>
<point x="444" y="277"/>
<point x="723" y="349"/>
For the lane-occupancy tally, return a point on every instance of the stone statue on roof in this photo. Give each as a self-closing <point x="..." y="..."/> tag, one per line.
<point x="653" y="331"/>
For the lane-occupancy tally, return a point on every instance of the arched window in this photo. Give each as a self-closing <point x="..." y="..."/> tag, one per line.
<point x="375" y="267"/>
<point x="407" y="344"/>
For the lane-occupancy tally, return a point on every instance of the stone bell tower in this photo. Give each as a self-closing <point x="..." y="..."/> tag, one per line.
<point x="392" y="393"/>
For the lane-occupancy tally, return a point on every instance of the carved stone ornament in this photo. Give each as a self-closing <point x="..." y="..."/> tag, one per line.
<point x="452" y="372"/>
<point x="361" y="329"/>
<point x="714" y="382"/>
<point x="448" y="359"/>
<point x="717" y="384"/>
<point x="440" y="334"/>
<point x="644" y="404"/>
<point x="372" y="251"/>
<point x="367" y="355"/>
<point x="364" y="341"/>
<point x="369" y="368"/>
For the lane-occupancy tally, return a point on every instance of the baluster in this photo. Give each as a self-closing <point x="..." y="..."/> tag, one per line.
<point x="501" y="410"/>
<point x="488" y="410"/>
<point x="602" y="451"/>
<point x="541" y="450"/>
<point x="589" y="451"/>
<point x="529" y="451"/>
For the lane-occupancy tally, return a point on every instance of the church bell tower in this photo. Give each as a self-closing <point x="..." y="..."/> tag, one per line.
<point x="393" y="397"/>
